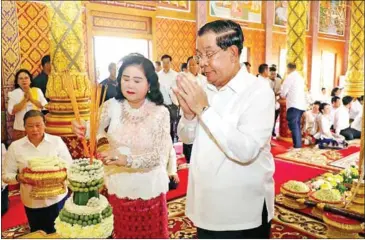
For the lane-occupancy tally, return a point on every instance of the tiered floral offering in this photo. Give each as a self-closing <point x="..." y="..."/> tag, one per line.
<point x="293" y="190"/>
<point x="47" y="176"/>
<point x="86" y="214"/>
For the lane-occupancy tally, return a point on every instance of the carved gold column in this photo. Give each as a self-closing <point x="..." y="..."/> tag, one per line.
<point x="296" y="34"/>
<point x="355" y="66"/>
<point x="67" y="53"/>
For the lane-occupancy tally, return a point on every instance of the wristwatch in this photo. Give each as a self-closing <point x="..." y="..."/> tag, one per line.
<point x="203" y="110"/>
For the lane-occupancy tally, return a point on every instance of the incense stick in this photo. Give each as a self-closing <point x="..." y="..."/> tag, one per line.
<point x="68" y="83"/>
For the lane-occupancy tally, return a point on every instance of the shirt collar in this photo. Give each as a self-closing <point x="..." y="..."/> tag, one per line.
<point x="27" y="141"/>
<point x="237" y="83"/>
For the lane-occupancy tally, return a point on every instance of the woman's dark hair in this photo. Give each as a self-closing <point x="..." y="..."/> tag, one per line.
<point x="228" y="33"/>
<point x="33" y="113"/>
<point x="154" y="94"/>
<point x="322" y="106"/>
<point x="16" y="84"/>
<point x="333" y="92"/>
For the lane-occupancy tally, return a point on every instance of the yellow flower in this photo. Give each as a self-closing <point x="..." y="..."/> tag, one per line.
<point x="327" y="175"/>
<point x="326" y="185"/>
<point x="338" y="178"/>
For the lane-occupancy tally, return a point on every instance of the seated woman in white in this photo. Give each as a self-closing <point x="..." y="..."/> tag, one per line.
<point x="324" y="134"/>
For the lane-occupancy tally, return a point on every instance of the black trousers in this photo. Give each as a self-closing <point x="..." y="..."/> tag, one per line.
<point x="187" y="151"/>
<point x="4" y="200"/>
<point x="261" y="232"/>
<point x="172" y="185"/>
<point x="277" y="112"/>
<point x="350" y="134"/>
<point x="43" y="218"/>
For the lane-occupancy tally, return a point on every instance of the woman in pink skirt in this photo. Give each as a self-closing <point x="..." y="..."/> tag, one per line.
<point x="138" y="134"/>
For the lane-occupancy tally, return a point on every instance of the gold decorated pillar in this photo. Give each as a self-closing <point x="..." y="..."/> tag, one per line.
<point x="67" y="53"/>
<point x="354" y="85"/>
<point x="296" y="34"/>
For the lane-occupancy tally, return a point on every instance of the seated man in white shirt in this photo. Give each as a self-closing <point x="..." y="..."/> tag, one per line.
<point x="356" y="107"/>
<point x="41" y="213"/>
<point x="294" y="91"/>
<point x="230" y="187"/>
<point x="336" y="103"/>
<point x="356" y="124"/>
<point x="342" y="120"/>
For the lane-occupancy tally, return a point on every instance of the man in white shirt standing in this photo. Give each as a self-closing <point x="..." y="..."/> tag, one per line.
<point x="41" y="213"/>
<point x="231" y="187"/>
<point x="193" y="75"/>
<point x="342" y="120"/>
<point x="167" y="80"/>
<point x="294" y="91"/>
<point x="264" y="73"/>
<point x="275" y="84"/>
<point x="158" y="67"/>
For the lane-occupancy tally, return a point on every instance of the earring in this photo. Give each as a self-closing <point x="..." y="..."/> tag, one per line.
<point x="149" y="91"/>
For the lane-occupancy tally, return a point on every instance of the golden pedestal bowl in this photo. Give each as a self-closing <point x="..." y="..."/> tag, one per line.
<point x="342" y="227"/>
<point x="315" y="197"/>
<point x="293" y="190"/>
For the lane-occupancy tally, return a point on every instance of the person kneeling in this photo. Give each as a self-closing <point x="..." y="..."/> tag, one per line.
<point x="35" y="147"/>
<point x="325" y="138"/>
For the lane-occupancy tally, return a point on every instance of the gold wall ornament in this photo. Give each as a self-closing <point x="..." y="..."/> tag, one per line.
<point x="296" y="33"/>
<point x="354" y="85"/>
<point x="67" y="53"/>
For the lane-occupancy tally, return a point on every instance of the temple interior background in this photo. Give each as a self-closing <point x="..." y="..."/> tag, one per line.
<point x="329" y="53"/>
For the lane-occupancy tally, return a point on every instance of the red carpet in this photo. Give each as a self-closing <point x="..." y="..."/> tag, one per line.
<point x="15" y="215"/>
<point x="285" y="171"/>
<point x="181" y="188"/>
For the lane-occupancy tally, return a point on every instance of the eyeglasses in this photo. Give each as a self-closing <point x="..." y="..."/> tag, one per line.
<point x="208" y="56"/>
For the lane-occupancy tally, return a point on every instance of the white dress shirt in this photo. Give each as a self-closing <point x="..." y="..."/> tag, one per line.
<point x="264" y="79"/>
<point x="342" y="119"/>
<point x="293" y="90"/>
<point x="356" y="124"/>
<point x="332" y="114"/>
<point x="18" y="156"/>
<point x="16" y="97"/>
<point x="166" y="95"/>
<point x="324" y="127"/>
<point x="168" y="81"/>
<point x="276" y="87"/>
<point x="231" y="169"/>
<point x="355" y="109"/>
<point x="324" y="98"/>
